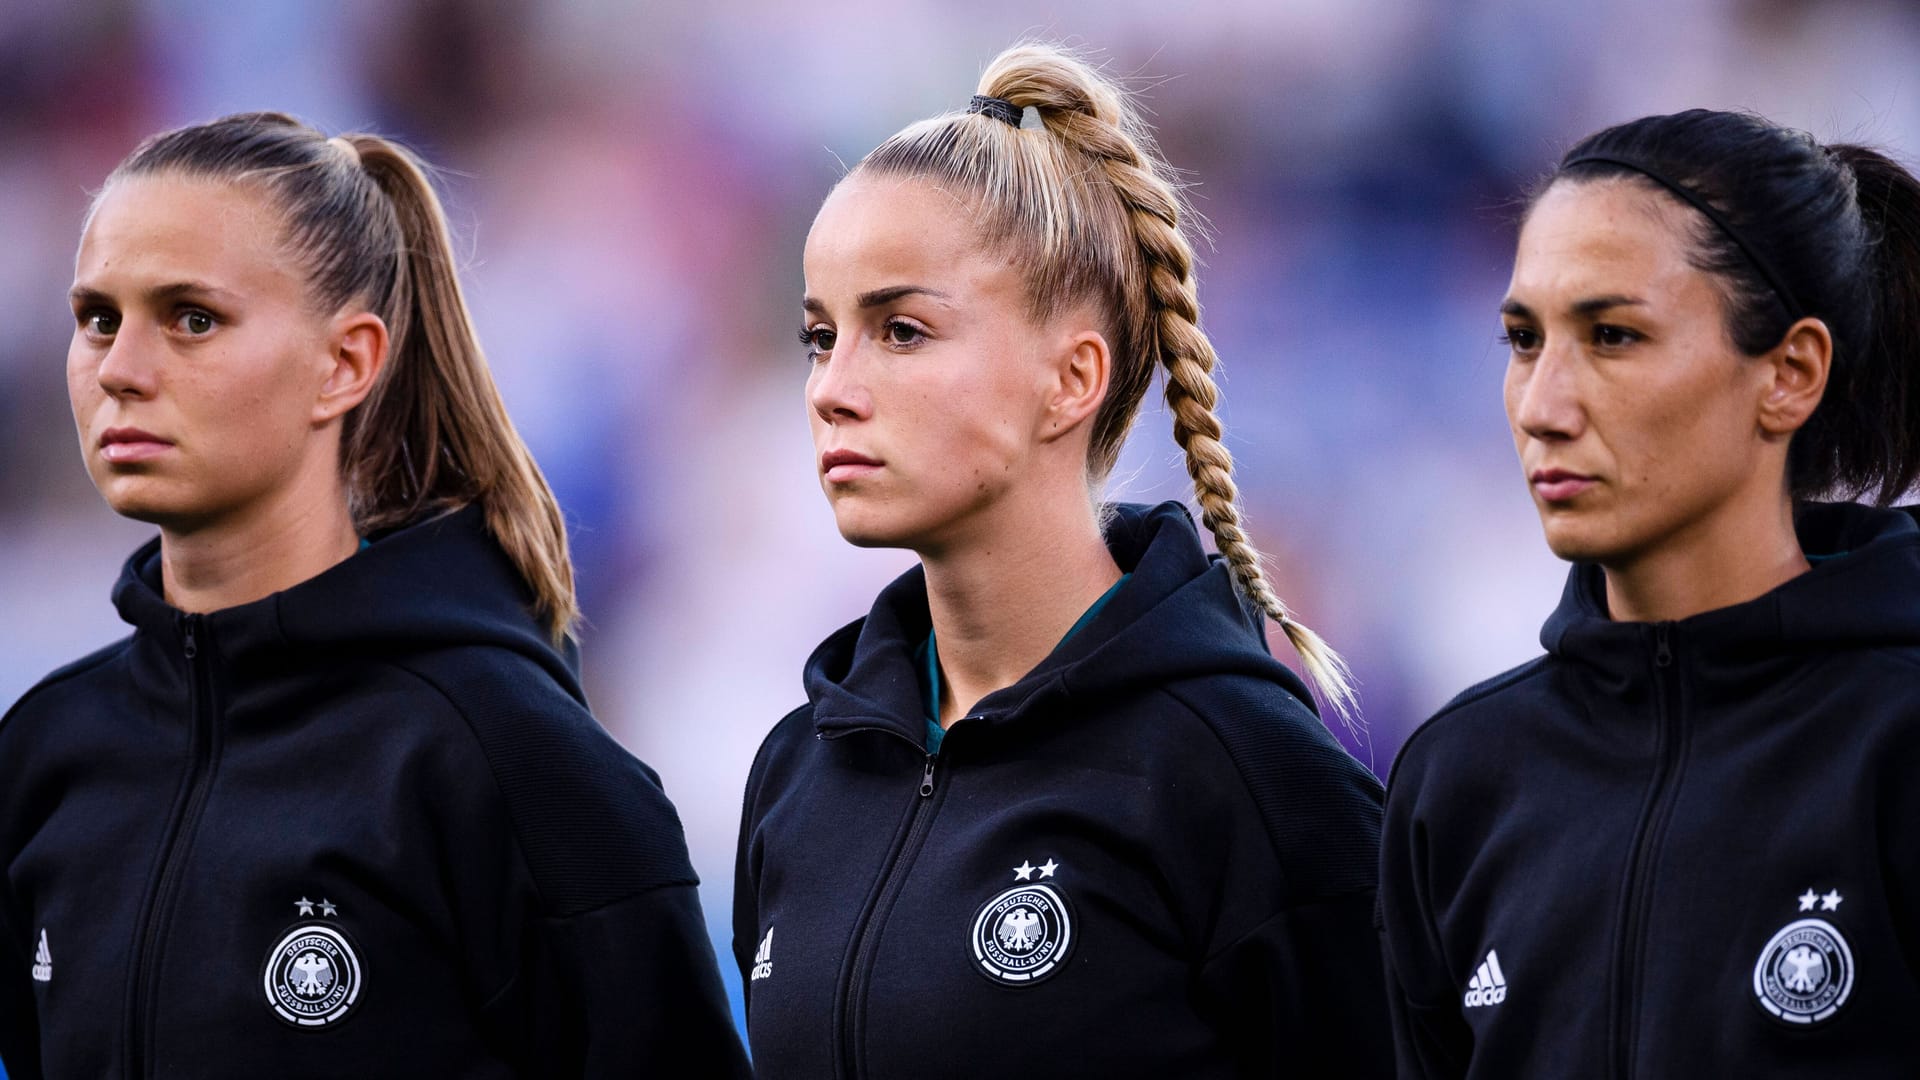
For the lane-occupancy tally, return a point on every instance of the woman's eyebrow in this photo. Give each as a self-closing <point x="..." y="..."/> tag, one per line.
<point x="1597" y="304"/>
<point x="173" y="290"/>
<point x="1592" y="305"/>
<point x="894" y="292"/>
<point x="876" y="297"/>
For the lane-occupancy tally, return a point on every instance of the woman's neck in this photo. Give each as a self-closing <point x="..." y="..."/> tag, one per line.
<point x="255" y="554"/>
<point x="1730" y="558"/>
<point x="999" y="608"/>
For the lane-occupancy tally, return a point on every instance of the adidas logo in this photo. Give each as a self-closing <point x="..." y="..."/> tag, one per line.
<point x="42" y="960"/>
<point x="763" y="958"/>
<point x="1489" y="984"/>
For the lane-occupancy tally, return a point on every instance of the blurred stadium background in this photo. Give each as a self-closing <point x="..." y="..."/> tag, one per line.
<point x="633" y="182"/>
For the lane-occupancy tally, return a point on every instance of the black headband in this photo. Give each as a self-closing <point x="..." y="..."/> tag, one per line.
<point x="998" y="108"/>
<point x="1693" y="199"/>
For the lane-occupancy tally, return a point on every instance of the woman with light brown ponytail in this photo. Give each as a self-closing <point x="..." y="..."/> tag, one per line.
<point x="337" y="806"/>
<point x="1051" y="809"/>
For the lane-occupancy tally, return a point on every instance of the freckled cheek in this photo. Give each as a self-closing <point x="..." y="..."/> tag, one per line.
<point x="84" y="401"/>
<point x="83" y="387"/>
<point x="1668" y="446"/>
<point x="1511" y="400"/>
<point x="1514" y="389"/>
<point x="985" y="435"/>
<point x="820" y="431"/>
<point x="243" y="428"/>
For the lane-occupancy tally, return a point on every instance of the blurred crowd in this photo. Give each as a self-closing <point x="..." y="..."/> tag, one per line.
<point x="633" y="182"/>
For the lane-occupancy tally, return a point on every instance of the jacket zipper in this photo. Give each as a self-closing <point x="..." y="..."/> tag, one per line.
<point x="204" y="754"/>
<point x="849" y="1007"/>
<point x="1637" y="896"/>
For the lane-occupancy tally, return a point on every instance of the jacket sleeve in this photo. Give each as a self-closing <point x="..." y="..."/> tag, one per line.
<point x="572" y="868"/>
<point x="1291" y="826"/>
<point x="19" y="1022"/>
<point x="1427" y="1042"/>
<point x="746" y="892"/>
<point x="19" y="1012"/>
<point x="1431" y="1040"/>
<point x="638" y="993"/>
<point x="1316" y="965"/>
<point x="746" y="864"/>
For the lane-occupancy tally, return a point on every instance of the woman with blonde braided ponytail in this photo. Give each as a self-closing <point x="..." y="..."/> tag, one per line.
<point x="1054" y="781"/>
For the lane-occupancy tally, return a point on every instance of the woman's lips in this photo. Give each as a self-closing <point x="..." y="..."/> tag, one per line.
<point x="841" y="466"/>
<point x="125" y="446"/>
<point x="1558" y="485"/>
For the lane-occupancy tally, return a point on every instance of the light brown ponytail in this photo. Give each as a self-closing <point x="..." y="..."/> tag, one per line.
<point x="1115" y="234"/>
<point x="433" y="435"/>
<point x="434" y="432"/>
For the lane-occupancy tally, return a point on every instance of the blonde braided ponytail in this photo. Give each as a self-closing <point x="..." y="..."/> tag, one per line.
<point x="1112" y="233"/>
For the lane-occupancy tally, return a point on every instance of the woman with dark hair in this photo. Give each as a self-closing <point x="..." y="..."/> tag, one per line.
<point x="337" y="806"/>
<point x="1051" y="809"/>
<point x="1686" y="841"/>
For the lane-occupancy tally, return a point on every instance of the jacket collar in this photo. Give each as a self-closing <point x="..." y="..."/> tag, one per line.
<point x="1178" y="616"/>
<point x="1863" y="591"/>
<point x="436" y="583"/>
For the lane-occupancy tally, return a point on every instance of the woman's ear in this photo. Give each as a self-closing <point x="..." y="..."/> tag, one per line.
<point x="1082" y="367"/>
<point x="358" y="351"/>
<point x="1799" y="366"/>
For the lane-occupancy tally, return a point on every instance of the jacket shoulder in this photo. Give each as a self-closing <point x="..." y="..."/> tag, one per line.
<point x="794" y="729"/>
<point x="591" y="819"/>
<point x="775" y="756"/>
<point x="65" y="675"/>
<point x="1320" y="807"/>
<point x="1487" y="697"/>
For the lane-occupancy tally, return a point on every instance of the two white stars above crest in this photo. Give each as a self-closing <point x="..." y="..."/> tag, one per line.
<point x="1829" y="902"/>
<point x="326" y="906"/>
<point x="1024" y="872"/>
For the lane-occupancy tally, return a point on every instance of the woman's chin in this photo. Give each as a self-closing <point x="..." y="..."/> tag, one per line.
<point x="867" y="536"/>
<point x="1584" y="541"/>
<point x="141" y="499"/>
<point x="863" y="524"/>
<point x="153" y="501"/>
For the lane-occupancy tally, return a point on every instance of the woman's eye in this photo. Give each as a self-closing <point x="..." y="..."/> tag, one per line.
<point x="195" y="323"/>
<point x="100" y="323"/>
<point x="1612" y="337"/>
<point x="901" y="332"/>
<point x="817" y="339"/>
<point x="1520" y="339"/>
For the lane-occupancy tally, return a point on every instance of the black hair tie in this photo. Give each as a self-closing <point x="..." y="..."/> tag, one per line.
<point x="1694" y="199"/>
<point x="998" y="108"/>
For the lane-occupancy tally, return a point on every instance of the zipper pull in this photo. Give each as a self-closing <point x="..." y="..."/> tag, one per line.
<point x="1663" y="649"/>
<point x="190" y="647"/>
<point x="926" y="778"/>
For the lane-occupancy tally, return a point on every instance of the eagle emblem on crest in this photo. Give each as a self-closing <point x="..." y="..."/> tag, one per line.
<point x="312" y="976"/>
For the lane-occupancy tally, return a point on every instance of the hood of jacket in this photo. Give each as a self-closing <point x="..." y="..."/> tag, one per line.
<point x="1179" y="616"/>
<point x="434" y="584"/>
<point x="1859" y="594"/>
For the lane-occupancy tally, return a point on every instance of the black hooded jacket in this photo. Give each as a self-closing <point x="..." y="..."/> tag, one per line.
<point x="1686" y="849"/>
<point x="364" y="827"/>
<point x="1146" y="858"/>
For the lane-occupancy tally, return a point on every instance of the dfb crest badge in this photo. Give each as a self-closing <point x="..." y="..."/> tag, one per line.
<point x="312" y="976"/>
<point x="1024" y="934"/>
<point x="1805" y="972"/>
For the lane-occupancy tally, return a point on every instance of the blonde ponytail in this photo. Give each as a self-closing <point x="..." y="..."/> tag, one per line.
<point x="1116" y="234"/>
